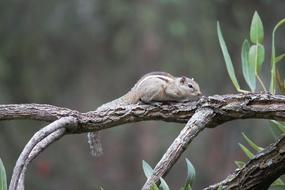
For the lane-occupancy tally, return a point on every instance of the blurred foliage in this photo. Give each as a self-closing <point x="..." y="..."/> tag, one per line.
<point x="82" y="53"/>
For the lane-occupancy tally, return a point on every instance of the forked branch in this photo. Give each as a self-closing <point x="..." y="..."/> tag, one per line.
<point x="209" y="112"/>
<point x="199" y="121"/>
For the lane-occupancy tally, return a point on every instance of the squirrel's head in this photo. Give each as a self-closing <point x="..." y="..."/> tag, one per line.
<point x="188" y="87"/>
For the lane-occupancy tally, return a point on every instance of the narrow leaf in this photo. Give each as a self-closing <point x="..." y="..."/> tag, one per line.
<point x="239" y="164"/>
<point x="191" y="173"/>
<point x="279" y="58"/>
<point x="275" y="130"/>
<point x="3" y="179"/>
<point x="277" y="182"/>
<point x="227" y="58"/>
<point x="247" y="152"/>
<point x="147" y="169"/>
<point x="256" y="57"/>
<point x="248" y="70"/>
<point x="273" y="58"/>
<point x="252" y="144"/>
<point x="280" y="125"/>
<point x="163" y="185"/>
<point x="188" y="187"/>
<point x="256" y="29"/>
<point x="154" y="187"/>
<point x="280" y="82"/>
<point x="277" y="187"/>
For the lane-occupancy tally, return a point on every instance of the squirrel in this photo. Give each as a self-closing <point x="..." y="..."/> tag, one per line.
<point x="152" y="87"/>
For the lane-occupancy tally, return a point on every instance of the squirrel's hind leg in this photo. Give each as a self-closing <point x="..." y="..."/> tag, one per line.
<point x="152" y="95"/>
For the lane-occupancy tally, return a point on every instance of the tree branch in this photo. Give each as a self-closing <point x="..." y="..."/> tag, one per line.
<point x="227" y="107"/>
<point x="43" y="144"/>
<point x="224" y="108"/>
<point x="260" y="172"/>
<point x="199" y="121"/>
<point x="38" y="138"/>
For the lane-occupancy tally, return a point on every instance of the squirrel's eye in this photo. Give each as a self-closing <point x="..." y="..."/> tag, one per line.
<point x="190" y="85"/>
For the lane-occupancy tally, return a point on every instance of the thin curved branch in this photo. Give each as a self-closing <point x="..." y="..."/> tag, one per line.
<point x="43" y="144"/>
<point x="37" y="138"/>
<point x="199" y="121"/>
<point x="260" y="172"/>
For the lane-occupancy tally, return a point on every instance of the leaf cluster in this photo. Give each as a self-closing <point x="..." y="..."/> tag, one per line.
<point x="253" y="56"/>
<point x="191" y="173"/>
<point x="252" y="59"/>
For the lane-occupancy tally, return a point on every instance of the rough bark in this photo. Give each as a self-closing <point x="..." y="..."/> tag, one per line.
<point x="194" y="126"/>
<point x="223" y="108"/>
<point x="260" y="172"/>
<point x="227" y="107"/>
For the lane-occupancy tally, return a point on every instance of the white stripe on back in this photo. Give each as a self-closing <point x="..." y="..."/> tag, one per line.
<point x="153" y="76"/>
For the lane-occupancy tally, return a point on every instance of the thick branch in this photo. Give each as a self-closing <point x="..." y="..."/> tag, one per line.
<point x="260" y="172"/>
<point x="195" y="125"/>
<point x="227" y="107"/>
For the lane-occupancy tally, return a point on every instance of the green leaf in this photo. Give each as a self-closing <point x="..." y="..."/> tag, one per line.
<point x="248" y="70"/>
<point x="3" y="179"/>
<point x="154" y="187"/>
<point x="277" y="182"/>
<point x="275" y="129"/>
<point x="252" y="144"/>
<point x="163" y="185"/>
<point x="273" y="58"/>
<point x="188" y="187"/>
<point x="147" y="169"/>
<point x="247" y="152"/>
<point x="280" y="125"/>
<point x="227" y="58"/>
<point x="277" y="187"/>
<point x="191" y="173"/>
<point x="239" y="164"/>
<point x="220" y="187"/>
<point x="256" y="29"/>
<point x="256" y="57"/>
<point x="279" y="58"/>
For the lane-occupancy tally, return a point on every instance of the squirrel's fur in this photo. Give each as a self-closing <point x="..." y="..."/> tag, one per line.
<point x="154" y="86"/>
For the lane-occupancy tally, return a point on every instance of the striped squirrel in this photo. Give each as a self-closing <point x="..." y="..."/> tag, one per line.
<point x="154" y="86"/>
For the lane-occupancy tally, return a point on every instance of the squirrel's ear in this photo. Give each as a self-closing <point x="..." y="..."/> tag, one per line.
<point x="182" y="80"/>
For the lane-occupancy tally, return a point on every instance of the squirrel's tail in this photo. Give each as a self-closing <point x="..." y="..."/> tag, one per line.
<point x="94" y="142"/>
<point x="94" y="139"/>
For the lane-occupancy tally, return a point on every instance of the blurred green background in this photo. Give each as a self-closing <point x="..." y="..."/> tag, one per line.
<point x="81" y="53"/>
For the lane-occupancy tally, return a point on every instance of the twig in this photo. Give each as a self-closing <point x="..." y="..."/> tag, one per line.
<point x="199" y="121"/>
